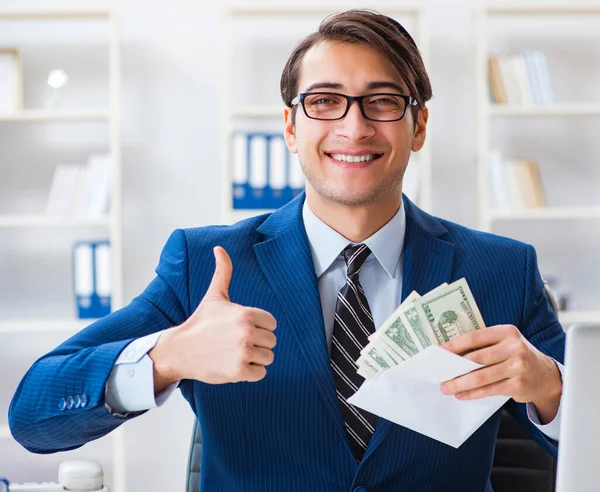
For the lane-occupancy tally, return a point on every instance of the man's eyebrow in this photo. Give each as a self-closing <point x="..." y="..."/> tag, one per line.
<point x="386" y="84"/>
<point x="324" y="85"/>
<point x="380" y="84"/>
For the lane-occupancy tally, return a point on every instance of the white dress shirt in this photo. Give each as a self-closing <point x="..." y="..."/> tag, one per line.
<point x="131" y="386"/>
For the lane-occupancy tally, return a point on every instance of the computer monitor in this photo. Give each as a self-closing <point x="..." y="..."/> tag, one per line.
<point x="579" y="447"/>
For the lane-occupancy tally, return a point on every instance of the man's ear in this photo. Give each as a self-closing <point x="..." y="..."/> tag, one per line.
<point x="289" y="131"/>
<point x="420" y="130"/>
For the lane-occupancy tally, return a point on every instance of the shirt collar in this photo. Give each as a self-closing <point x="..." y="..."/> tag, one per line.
<point x="327" y="244"/>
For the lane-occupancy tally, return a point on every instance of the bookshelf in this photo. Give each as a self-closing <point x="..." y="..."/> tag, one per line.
<point x="48" y="225"/>
<point x="258" y="113"/>
<point x="488" y="112"/>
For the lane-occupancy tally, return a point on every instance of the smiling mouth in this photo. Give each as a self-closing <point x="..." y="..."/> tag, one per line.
<point x="354" y="158"/>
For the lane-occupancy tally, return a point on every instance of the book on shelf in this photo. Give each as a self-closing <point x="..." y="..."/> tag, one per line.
<point x="11" y="80"/>
<point x="520" y="79"/>
<point x="265" y="174"/>
<point x="516" y="184"/>
<point x="81" y="190"/>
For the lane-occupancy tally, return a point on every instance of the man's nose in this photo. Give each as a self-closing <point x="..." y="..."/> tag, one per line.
<point x="354" y="126"/>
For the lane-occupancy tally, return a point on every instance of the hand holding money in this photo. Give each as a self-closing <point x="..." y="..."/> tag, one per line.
<point x="513" y="367"/>
<point x="433" y="319"/>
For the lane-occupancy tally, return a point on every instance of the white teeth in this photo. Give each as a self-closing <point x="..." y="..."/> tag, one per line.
<point x="353" y="158"/>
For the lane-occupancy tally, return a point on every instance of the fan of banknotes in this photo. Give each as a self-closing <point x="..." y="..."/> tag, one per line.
<point x="440" y="315"/>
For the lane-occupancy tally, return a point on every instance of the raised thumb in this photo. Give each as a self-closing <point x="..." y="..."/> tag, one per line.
<point x="219" y="286"/>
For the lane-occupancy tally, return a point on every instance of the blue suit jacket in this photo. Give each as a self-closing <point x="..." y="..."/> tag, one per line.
<point x="285" y="433"/>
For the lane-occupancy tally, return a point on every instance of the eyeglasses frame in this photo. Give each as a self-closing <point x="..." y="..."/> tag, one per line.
<point x="299" y="99"/>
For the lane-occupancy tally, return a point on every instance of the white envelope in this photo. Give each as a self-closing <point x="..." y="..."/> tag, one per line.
<point x="409" y="395"/>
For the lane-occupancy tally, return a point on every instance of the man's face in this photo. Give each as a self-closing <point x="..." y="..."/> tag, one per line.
<point x="323" y="147"/>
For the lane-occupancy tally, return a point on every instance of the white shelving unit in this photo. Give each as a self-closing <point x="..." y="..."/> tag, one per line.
<point x="52" y="221"/>
<point x="231" y="112"/>
<point x="111" y="222"/>
<point x="486" y="111"/>
<point x="41" y="116"/>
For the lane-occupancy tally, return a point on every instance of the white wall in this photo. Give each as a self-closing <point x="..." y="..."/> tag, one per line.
<point x="171" y="88"/>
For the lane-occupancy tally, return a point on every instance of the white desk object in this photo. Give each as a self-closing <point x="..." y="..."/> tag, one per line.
<point x="73" y="476"/>
<point x="579" y="449"/>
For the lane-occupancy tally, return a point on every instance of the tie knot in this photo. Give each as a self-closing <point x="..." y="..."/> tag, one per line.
<point x="355" y="255"/>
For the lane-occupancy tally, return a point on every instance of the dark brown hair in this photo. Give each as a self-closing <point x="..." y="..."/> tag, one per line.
<point x="371" y="28"/>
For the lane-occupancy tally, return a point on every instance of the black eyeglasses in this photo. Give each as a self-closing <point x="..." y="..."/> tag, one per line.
<point x="330" y="106"/>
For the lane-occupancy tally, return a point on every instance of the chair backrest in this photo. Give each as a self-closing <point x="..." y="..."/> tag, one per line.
<point x="520" y="465"/>
<point x="194" y="460"/>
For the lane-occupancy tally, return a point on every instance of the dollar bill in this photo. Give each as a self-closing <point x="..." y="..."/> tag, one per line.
<point x="420" y="321"/>
<point x="450" y="311"/>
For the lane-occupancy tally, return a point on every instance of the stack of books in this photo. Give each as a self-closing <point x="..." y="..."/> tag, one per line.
<point x="515" y="184"/>
<point x="521" y="78"/>
<point x="81" y="190"/>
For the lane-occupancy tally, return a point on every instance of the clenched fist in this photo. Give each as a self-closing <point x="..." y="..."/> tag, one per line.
<point x="221" y="342"/>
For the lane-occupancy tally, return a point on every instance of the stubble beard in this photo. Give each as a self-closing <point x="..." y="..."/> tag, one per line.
<point x="384" y="190"/>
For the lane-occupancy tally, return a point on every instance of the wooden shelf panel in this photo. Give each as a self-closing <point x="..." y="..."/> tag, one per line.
<point x="549" y="213"/>
<point x="572" y="317"/>
<point x="258" y="111"/>
<point x="65" y="115"/>
<point x="277" y="10"/>
<point x="49" y="14"/>
<point x="5" y="432"/>
<point x="52" y="221"/>
<point x="520" y="9"/>
<point x="575" y="109"/>
<point x="39" y="326"/>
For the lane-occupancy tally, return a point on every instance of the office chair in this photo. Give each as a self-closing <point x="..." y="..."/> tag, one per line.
<point x="520" y="465"/>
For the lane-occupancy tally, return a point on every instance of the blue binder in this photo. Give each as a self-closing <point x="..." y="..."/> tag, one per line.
<point x="91" y="278"/>
<point x="248" y="196"/>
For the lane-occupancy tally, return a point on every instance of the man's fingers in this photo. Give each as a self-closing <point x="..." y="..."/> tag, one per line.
<point x="261" y="318"/>
<point x="494" y="354"/>
<point x="263" y="338"/>
<point x="219" y="286"/>
<point x="495" y="389"/>
<point x="479" y="378"/>
<point x="255" y="372"/>
<point x="261" y="356"/>
<point x="477" y="339"/>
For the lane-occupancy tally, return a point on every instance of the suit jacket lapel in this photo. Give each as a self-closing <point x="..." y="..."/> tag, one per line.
<point x="428" y="262"/>
<point x="286" y="261"/>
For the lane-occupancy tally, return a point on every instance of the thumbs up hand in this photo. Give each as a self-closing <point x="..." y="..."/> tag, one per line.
<point x="221" y="342"/>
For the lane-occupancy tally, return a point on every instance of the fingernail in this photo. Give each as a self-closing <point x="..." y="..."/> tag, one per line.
<point x="444" y="389"/>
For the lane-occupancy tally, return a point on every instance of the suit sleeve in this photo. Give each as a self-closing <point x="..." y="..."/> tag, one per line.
<point x="59" y="404"/>
<point x="540" y="325"/>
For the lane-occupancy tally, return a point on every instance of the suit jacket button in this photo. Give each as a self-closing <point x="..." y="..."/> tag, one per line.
<point x="70" y="402"/>
<point x="84" y="400"/>
<point x="62" y="404"/>
<point x="77" y="401"/>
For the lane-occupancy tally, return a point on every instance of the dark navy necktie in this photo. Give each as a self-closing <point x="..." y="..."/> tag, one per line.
<point x="352" y="325"/>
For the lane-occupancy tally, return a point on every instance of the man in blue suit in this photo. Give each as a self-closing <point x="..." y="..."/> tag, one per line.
<point x="322" y="272"/>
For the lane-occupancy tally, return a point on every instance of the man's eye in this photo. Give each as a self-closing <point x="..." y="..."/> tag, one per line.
<point x="384" y="100"/>
<point x="323" y="102"/>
